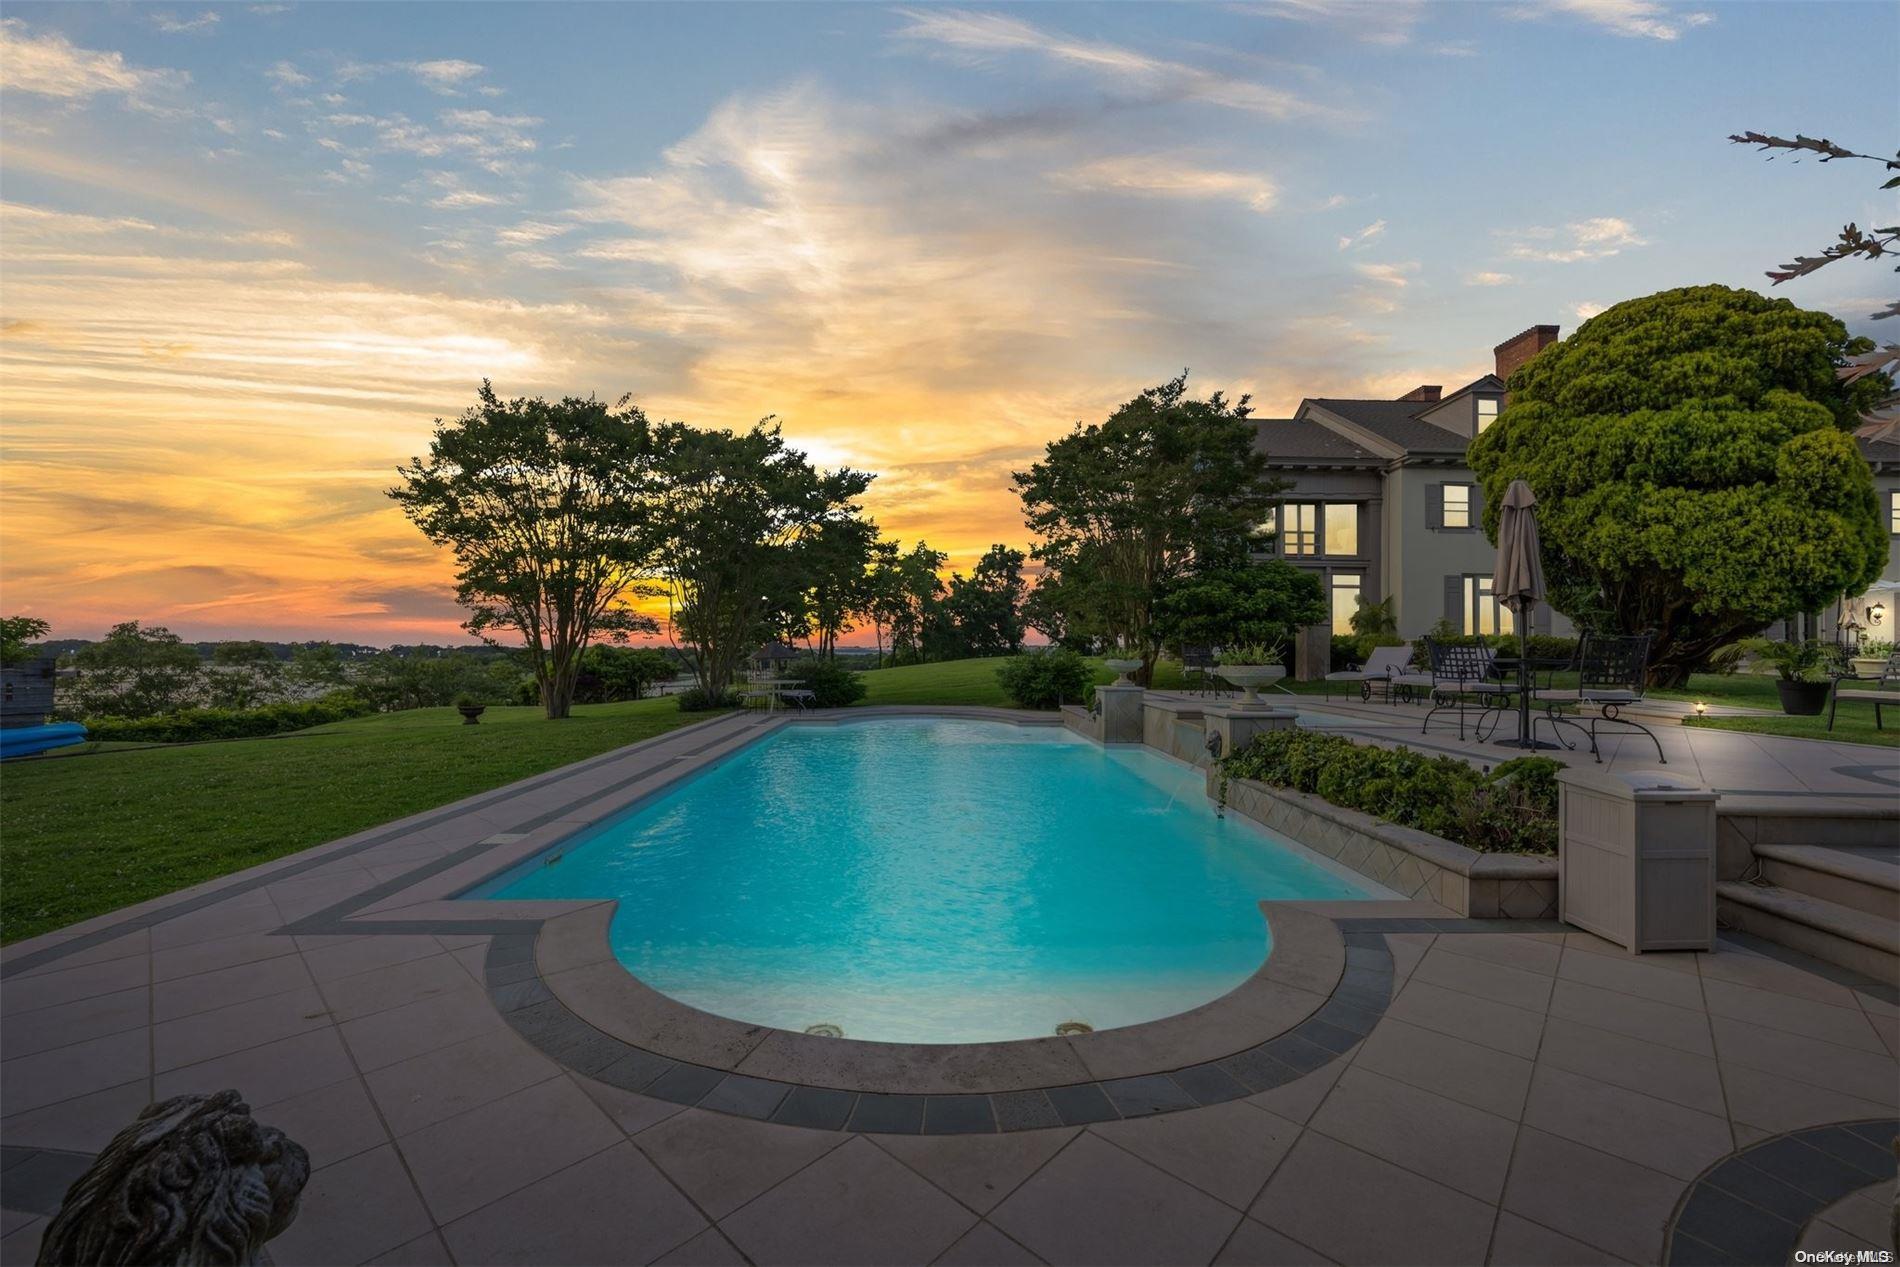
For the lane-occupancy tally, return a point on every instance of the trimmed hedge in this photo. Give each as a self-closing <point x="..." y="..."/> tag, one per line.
<point x="1046" y="679"/>
<point x="194" y="725"/>
<point x="831" y="684"/>
<point x="1510" y="809"/>
<point x="696" y="699"/>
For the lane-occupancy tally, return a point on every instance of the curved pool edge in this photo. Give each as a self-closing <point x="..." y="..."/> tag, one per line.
<point x="573" y="959"/>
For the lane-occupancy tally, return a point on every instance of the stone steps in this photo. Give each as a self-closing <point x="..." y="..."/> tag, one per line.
<point x="1864" y="942"/>
<point x="1859" y="879"/>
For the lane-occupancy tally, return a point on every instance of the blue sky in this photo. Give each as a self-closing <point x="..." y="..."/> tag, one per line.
<point x="252" y="250"/>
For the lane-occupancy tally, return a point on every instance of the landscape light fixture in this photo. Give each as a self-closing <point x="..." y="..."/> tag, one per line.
<point x="1701" y="709"/>
<point x="1875" y="612"/>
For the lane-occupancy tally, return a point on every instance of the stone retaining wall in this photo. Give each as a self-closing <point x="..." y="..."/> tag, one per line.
<point x="1413" y="863"/>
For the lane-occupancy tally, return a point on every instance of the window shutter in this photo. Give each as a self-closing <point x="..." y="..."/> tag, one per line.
<point x="1455" y="601"/>
<point x="1477" y="505"/>
<point x="1434" y="505"/>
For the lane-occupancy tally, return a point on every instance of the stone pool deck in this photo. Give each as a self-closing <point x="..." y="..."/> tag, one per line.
<point x="1412" y="1088"/>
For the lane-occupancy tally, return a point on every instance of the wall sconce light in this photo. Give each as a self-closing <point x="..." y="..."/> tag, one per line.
<point x="1875" y="612"/>
<point x="1701" y="709"/>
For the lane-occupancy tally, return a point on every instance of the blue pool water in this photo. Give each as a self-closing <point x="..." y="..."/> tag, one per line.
<point x="934" y="880"/>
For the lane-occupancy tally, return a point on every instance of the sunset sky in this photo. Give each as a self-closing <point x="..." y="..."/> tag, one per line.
<point x="249" y="252"/>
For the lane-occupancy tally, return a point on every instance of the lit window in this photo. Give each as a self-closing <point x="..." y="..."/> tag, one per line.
<point x="1299" y="528"/>
<point x="1487" y="411"/>
<point x="1346" y="587"/>
<point x="1893" y="513"/>
<point x="1457" y="505"/>
<point x="1342" y="529"/>
<point x="1484" y="614"/>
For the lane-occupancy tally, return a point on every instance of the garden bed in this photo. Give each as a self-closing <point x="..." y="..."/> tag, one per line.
<point x="1403" y="808"/>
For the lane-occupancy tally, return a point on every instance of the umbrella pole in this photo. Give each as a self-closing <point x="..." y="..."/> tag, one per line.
<point x="1524" y="736"/>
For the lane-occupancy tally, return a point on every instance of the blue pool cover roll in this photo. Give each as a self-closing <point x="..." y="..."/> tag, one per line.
<point x="24" y="741"/>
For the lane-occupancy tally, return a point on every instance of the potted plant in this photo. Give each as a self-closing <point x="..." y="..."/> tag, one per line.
<point x="1801" y="673"/>
<point x="1872" y="660"/>
<point x="1124" y="660"/>
<point x="1253" y="665"/>
<point x="470" y="708"/>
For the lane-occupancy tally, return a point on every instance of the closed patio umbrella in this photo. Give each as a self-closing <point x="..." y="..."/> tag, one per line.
<point x="1518" y="582"/>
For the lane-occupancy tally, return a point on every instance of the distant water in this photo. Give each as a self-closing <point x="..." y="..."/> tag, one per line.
<point x="935" y="880"/>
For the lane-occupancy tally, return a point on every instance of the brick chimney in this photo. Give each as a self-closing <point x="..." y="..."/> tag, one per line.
<point x="1520" y="348"/>
<point x="1428" y="393"/>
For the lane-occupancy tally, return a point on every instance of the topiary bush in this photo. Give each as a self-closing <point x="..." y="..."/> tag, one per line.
<point x="1511" y="809"/>
<point x="194" y="725"/>
<point x="1046" y="679"/>
<point x="831" y="684"/>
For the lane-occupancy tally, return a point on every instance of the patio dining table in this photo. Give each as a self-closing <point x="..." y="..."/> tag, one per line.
<point x="1526" y="669"/>
<point x="771" y="688"/>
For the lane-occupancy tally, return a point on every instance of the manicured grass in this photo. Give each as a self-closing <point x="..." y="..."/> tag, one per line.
<point x="1853" y="723"/>
<point x="85" y="833"/>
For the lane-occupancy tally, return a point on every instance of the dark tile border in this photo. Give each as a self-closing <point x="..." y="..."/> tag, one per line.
<point x="1357" y="1003"/>
<point x="35" y="1180"/>
<point x="1753" y="1205"/>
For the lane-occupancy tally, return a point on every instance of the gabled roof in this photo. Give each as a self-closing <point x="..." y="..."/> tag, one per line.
<point x="1396" y="422"/>
<point x="1879" y="451"/>
<point x="1302" y="440"/>
<point x="1489" y="383"/>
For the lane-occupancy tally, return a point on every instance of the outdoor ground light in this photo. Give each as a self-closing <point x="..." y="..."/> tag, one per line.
<point x="1701" y="709"/>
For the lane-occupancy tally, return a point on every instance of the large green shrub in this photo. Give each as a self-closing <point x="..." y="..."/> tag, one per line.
<point x="831" y="684"/>
<point x="1511" y="809"/>
<point x="697" y="699"/>
<point x="194" y="725"/>
<point x="1047" y="679"/>
<point x="1695" y="467"/>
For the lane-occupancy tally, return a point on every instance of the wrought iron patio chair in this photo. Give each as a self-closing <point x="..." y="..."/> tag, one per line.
<point x="1463" y="682"/>
<point x="1611" y="673"/>
<point x="1199" y="663"/>
<point x="1884" y="693"/>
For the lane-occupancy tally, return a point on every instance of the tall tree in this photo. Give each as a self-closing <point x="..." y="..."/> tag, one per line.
<point x="907" y="596"/>
<point x="736" y="507"/>
<point x="548" y="507"/>
<point x="17" y="636"/>
<point x="833" y="566"/>
<point x="136" y="671"/>
<point x="1125" y="507"/>
<point x="1694" y="469"/>
<point x="987" y="605"/>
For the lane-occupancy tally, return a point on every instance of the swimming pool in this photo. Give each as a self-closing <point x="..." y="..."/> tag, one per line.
<point x="933" y="880"/>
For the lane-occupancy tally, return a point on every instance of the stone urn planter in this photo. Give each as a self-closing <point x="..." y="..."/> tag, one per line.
<point x="1124" y="668"/>
<point x="1251" y="677"/>
<point x="1867" y="665"/>
<point x="1802" y="699"/>
<point x="471" y="713"/>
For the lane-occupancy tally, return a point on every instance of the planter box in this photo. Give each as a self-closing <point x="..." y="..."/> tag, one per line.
<point x="1414" y="863"/>
<point x="1637" y="856"/>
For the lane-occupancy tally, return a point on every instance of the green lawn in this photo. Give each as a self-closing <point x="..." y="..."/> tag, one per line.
<point x="1854" y="723"/>
<point x="85" y="833"/>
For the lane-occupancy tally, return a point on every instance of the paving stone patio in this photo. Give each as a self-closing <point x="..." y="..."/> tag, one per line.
<point x="1533" y="1097"/>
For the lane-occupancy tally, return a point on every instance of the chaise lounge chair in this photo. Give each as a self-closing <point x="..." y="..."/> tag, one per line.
<point x="1884" y="691"/>
<point x="1382" y="669"/>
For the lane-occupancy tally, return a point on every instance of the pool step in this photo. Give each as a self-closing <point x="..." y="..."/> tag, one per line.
<point x="1867" y="943"/>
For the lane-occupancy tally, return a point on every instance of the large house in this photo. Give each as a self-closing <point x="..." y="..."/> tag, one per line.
<point x="1381" y="504"/>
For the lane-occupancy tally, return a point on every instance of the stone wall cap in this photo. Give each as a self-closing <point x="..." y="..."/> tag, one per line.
<point x="1639" y="785"/>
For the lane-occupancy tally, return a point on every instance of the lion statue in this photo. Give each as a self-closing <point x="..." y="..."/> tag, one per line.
<point x="195" y="1180"/>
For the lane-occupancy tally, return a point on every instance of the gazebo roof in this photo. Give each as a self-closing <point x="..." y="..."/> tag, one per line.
<point x="776" y="651"/>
